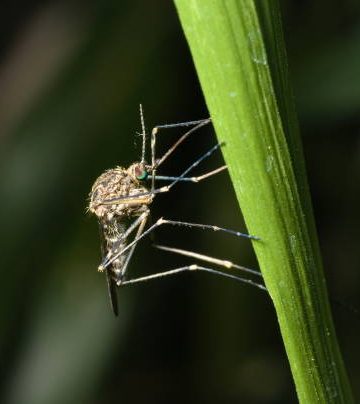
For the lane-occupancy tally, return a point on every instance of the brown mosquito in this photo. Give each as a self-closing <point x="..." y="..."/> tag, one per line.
<point x="121" y="199"/>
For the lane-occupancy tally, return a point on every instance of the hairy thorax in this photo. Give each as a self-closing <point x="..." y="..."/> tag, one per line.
<point x="119" y="193"/>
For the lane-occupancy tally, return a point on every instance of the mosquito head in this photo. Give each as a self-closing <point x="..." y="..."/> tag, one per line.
<point x="139" y="171"/>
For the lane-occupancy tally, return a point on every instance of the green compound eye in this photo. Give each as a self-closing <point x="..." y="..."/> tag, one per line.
<point x="143" y="176"/>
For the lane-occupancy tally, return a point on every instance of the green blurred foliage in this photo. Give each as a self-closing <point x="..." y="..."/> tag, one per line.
<point x="71" y="76"/>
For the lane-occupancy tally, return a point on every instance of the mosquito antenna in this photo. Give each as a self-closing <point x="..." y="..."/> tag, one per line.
<point x="143" y="134"/>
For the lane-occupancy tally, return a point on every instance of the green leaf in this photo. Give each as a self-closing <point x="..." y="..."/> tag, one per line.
<point x="239" y="54"/>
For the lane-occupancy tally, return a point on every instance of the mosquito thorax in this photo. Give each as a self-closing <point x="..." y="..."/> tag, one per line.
<point x="115" y="192"/>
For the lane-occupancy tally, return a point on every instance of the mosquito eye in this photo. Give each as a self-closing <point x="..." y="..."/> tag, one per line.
<point x="142" y="175"/>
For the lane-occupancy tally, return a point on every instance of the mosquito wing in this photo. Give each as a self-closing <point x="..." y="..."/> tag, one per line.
<point x="112" y="293"/>
<point x="112" y="288"/>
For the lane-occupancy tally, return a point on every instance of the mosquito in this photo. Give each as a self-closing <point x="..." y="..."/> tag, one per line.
<point x="120" y="198"/>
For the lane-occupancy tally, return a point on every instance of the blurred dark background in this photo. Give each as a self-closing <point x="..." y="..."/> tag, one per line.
<point x="72" y="75"/>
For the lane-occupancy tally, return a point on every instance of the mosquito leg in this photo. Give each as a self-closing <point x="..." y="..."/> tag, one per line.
<point x="223" y="263"/>
<point x="191" y="179"/>
<point x="156" y="163"/>
<point x="193" y="267"/>
<point x="131" y="252"/>
<point x="183" y="124"/>
<point x="113" y="252"/>
<point x="137" y="198"/>
<point x="169" y="178"/>
<point x="191" y="167"/>
<point x="152" y="234"/>
<point x="198" y="124"/>
<point x="162" y="221"/>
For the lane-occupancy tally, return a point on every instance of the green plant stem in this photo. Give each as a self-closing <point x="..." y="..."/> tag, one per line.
<point x="246" y="87"/>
